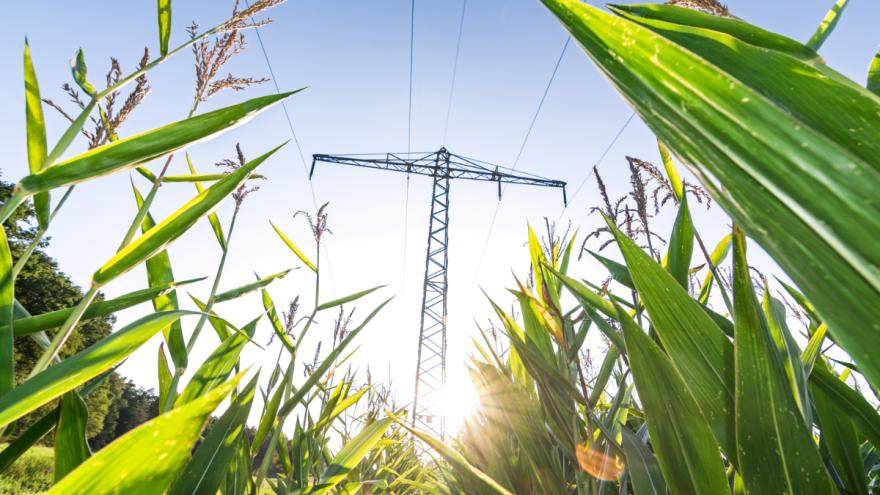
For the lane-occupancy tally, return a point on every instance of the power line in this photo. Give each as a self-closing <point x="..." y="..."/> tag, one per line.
<point x="412" y="23"/>
<point x="454" y="71"/>
<point x="295" y="139"/>
<point x="520" y="152"/>
<point x="596" y="164"/>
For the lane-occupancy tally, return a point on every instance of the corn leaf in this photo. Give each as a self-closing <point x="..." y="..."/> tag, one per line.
<point x="244" y="289"/>
<point x="159" y="273"/>
<point x="775" y="448"/>
<point x="644" y="472"/>
<point x="842" y="440"/>
<point x="212" y="217"/>
<point x="80" y="72"/>
<point x="717" y="256"/>
<point x="166" y="380"/>
<point x="279" y="329"/>
<point x="351" y="454"/>
<point x="697" y="347"/>
<point x="296" y="251"/>
<point x="7" y="302"/>
<point x="71" y="447"/>
<point x="347" y="299"/>
<point x="851" y="402"/>
<point x="35" y="126"/>
<point x="142" y="148"/>
<point x="800" y="181"/>
<point x="681" y="245"/>
<point x="205" y="471"/>
<point x="268" y="420"/>
<point x="671" y="171"/>
<point x="874" y="75"/>
<point x="218" y="366"/>
<point x="618" y="271"/>
<point x="146" y="459"/>
<point x="827" y="25"/>
<point x="164" y="8"/>
<point x="159" y="237"/>
<point x="775" y="316"/>
<point x="72" y="372"/>
<point x="30" y="325"/>
<point x="325" y="365"/>
<point x="682" y="438"/>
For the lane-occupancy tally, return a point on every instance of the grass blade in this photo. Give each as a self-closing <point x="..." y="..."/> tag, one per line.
<point x="142" y="148"/>
<point x="159" y="273"/>
<point x="851" y="402"/>
<point x="7" y="301"/>
<point x="272" y="314"/>
<point x="32" y="324"/>
<point x="874" y="75"/>
<point x="681" y="245"/>
<point x="296" y="251"/>
<point x="35" y="126"/>
<point x="244" y="289"/>
<point x="347" y="299"/>
<point x="776" y="451"/>
<point x="164" y="8"/>
<point x="212" y="217"/>
<point x="206" y="470"/>
<point x="350" y="455"/>
<point x="71" y="447"/>
<point x="166" y="441"/>
<point x="78" y="369"/>
<point x="159" y="237"/>
<point x="682" y="438"/>
<point x="717" y="256"/>
<point x="644" y="472"/>
<point x="827" y="25"/>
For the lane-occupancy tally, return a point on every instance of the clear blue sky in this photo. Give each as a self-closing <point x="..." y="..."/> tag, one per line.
<point x="354" y="57"/>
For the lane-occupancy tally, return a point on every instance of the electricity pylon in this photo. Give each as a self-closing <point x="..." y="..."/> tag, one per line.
<point x="443" y="166"/>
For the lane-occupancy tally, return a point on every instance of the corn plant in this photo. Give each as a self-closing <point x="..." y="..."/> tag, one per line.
<point x="176" y="452"/>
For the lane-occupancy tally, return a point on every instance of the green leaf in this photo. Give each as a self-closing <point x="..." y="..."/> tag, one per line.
<point x="159" y="237"/>
<point x="35" y="126"/>
<point x="827" y="25"/>
<point x="7" y="300"/>
<point x="850" y="401"/>
<point x="717" y="257"/>
<point x="801" y="182"/>
<point x="268" y="420"/>
<point x="351" y="454"/>
<point x="146" y="459"/>
<point x="32" y="324"/>
<point x="776" y="451"/>
<point x="159" y="273"/>
<point x="244" y="289"/>
<point x="874" y="75"/>
<point x="681" y="245"/>
<point x="325" y="365"/>
<point x="347" y="299"/>
<point x="671" y="171"/>
<point x="644" y="472"/>
<point x="142" y="148"/>
<point x="487" y="485"/>
<point x="164" y="8"/>
<point x="71" y="447"/>
<point x="80" y="72"/>
<point x="83" y="366"/>
<point x="279" y="329"/>
<point x="813" y="349"/>
<point x="296" y="251"/>
<point x="682" y="438"/>
<point x="775" y="315"/>
<point x="697" y="347"/>
<point x="212" y="217"/>
<point x="842" y="440"/>
<point x="618" y="271"/>
<point x="218" y="366"/>
<point x="166" y="380"/>
<point x="217" y="323"/>
<point x="205" y="471"/>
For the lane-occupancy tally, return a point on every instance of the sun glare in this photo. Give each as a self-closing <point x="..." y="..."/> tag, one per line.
<point x="459" y="400"/>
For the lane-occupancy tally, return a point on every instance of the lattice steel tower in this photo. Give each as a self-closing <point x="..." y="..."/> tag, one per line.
<point x="442" y="166"/>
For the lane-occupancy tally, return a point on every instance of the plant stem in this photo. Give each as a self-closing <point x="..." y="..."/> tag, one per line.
<point x="210" y="302"/>
<point x="38" y="237"/>
<point x="64" y="332"/>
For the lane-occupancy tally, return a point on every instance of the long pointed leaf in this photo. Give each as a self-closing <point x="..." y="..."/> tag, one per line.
<point x="71" y="448"/>
<point x="35" y="125"/>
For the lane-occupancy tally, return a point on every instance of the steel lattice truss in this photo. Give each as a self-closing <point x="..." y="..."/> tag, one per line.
<point x="442" y="166"/>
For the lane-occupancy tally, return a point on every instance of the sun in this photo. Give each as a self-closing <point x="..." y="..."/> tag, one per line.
<point x="458" y="401"/>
